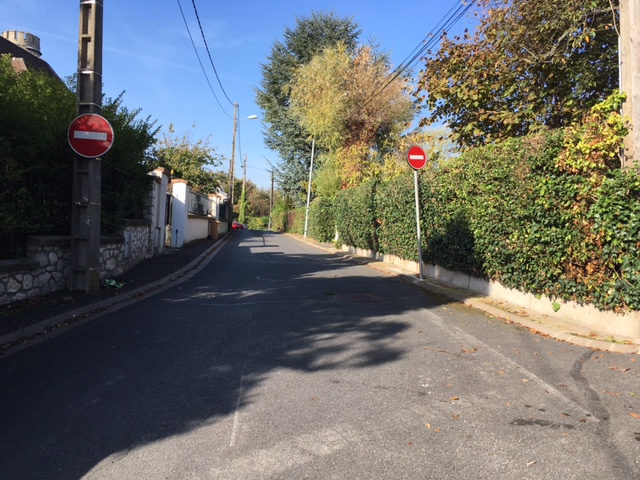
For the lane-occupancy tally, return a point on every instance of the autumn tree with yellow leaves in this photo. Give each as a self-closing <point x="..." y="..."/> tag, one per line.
<point x="354" y="108"/>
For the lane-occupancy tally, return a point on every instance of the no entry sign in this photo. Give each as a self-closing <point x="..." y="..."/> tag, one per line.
<point x="90" y="135"/>
<point x="416" y="157"/>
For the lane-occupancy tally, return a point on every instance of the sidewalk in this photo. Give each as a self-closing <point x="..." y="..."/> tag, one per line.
<point x="21" y="322"/>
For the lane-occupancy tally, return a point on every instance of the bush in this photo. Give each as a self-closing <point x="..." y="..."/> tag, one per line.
<point x="526" y="212"/>
<point x="322" y="225"/>
<point x="355" y="217"/>
<point x="257" y="223"/>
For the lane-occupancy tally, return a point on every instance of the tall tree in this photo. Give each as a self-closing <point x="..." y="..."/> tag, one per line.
<point x="530" y="63"/>
<point x="354" y="108"/>
<point x="283" y="134"/>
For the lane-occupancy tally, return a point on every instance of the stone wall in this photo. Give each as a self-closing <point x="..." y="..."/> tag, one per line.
<point x="46" y="268"/>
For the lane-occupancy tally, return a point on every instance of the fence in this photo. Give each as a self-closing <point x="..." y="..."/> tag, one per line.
<point x="201" y="204"/>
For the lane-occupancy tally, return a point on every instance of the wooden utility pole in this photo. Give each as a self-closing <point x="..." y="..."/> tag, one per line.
<point x="630" y="77"/>
<point x="271" y="200"/>
<point x="232" y="164"/>
<point x="85" y="215"/>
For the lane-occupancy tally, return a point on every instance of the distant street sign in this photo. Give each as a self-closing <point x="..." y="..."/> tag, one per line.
<point x="416" y="157"/>
<point x="90" y="135"/>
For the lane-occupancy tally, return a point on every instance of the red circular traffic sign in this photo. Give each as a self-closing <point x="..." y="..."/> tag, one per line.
<point x="90" y="135"/>
<point x="416" y="157"/>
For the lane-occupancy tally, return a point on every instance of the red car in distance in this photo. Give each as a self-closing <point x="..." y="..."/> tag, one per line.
<point x="238" y="226"/>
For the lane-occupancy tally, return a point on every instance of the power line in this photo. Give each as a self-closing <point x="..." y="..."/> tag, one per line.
<point x="448" y="21"/>
<point x="206" y="46"/>
<point x="200" y="61"/>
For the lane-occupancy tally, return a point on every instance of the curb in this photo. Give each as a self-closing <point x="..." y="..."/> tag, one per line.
<point x="19" y="338"/>
<point x="533" y="323"/>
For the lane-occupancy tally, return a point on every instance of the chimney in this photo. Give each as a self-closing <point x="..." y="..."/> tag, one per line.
<point x="29" y="42"/>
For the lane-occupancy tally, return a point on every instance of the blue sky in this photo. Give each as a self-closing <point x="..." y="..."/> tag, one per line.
<point x="148" y="54"/>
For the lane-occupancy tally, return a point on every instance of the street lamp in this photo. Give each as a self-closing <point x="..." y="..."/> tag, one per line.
<point x="232" y="162"/>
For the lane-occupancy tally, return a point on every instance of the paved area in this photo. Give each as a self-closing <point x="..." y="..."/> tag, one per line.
<point x="21" y="322"/>
<point x="24" y="321"/>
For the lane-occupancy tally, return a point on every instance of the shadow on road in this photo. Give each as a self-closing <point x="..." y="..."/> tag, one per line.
<point x="195" y="354"/>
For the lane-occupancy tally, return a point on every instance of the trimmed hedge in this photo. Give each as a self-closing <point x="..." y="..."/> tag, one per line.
<point x="322" y="225"/>
<point x="355" y="216"/>
<point x="511" y="213"/>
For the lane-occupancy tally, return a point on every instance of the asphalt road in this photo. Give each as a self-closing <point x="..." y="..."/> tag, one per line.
<point x="280" y="361"/>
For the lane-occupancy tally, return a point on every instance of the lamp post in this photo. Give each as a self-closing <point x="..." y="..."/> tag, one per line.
<point x="232" y="162"/>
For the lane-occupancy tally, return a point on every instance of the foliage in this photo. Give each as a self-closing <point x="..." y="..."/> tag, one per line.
<point x="510" y="77"/>
<point x="284" y="135"/>
<point x="526" y="212"/>
<point x="396" y="219"/>
<point x="590" y="146"/>
<point x="258" y="200"/>
<point x="35" y="180"/>
<point x="355" y="216"/>
<point x="353" y="108"/>
<point x="36" y="184"/>
<point x="125" y="167"/>
<point x="326" y="178"/>
<point x="257" y="223"/>
<point x="280" y="215"/>
<point x="295" y="220"/>
<point x="189" y="159"/>
<point x="322" y="225"/>
<point x="242" y="206"/>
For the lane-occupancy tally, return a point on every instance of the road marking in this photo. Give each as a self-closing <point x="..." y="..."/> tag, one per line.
<point x="291" y="453"/>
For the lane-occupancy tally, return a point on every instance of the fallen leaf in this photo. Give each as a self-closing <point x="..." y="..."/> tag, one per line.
<point x="455" y="416"/>
<point x="437" y="430"/>
<point x="583" y="420"/>
<point x="611" y="393"/>
<point x="525" y="380"/>
<point x="453" y="399"/>
<point x="531" y="463"/>
<point x="428" y="425"/>
<point x="500" y="373"/>
<point x="635" y="415"/>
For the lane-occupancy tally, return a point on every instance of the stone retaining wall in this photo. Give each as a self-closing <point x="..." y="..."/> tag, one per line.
<point x="47" y="266"/>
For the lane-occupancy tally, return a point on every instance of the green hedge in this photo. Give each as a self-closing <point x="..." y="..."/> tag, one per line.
<point x="356" y="220"/>
<point x="546" y="214"/>
<point x="322" y="224"/>
<point x="509" y="212"/>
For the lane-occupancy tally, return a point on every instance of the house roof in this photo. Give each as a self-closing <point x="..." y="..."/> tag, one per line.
<point x="24" y="60"/>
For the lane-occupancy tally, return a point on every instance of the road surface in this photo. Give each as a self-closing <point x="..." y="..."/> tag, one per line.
<point x="281" y="361"/>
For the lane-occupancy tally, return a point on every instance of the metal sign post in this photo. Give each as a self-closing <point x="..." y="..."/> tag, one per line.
<point x="417" y="160"/>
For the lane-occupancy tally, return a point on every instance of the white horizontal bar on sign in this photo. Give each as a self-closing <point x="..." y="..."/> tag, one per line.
<point x="416" y="157"/>
<point x="81" y="134"/>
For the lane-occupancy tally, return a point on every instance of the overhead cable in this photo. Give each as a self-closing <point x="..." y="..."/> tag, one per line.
<point x="449" y="20"/>
<point x="200" y="61"/>
<point x="206" y="46"/>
